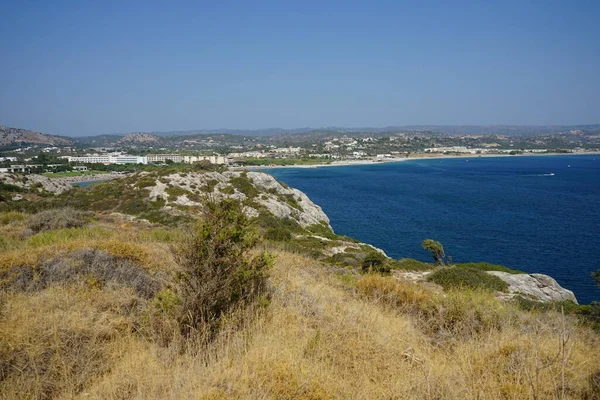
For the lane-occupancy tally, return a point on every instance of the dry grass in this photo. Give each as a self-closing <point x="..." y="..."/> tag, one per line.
<point x="373" y="338"/>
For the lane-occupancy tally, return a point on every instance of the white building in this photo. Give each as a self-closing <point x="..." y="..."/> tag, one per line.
<point x="248" y="154"/>
<point x="164" y="157"/>
<point x="107" y="159"/>
<point x="287" y="150"/>
<point x="211" y="159"/>
<point x="15" y="168"/>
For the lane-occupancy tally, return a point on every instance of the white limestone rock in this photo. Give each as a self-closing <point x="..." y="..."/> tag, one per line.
<point x="310" y="214"/>
<point x="538" y="287"/>
<point x="269" y="188"/>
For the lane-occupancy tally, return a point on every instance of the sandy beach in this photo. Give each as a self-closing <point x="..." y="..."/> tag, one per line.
<point x="347" y="163"/>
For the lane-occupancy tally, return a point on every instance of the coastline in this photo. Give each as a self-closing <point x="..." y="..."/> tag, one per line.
<point x="348" y="163"/>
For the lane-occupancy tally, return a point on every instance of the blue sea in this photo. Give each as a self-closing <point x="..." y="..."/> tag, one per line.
<point x="537" y="214"/>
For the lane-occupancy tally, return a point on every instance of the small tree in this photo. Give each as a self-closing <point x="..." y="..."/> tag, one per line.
<point x="596" y="276"/>
<point x="218" y="273"/>
<point x="374" y="261"/>
<point x="436" y="249"/>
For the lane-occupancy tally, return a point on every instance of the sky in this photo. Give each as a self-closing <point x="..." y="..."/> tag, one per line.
<point x="92" y="67"/>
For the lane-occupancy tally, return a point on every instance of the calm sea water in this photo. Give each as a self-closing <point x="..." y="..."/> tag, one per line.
<point x="536" y="214"/>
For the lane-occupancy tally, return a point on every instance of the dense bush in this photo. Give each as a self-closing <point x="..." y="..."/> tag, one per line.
<point x="589" y="313"/>
<point x="410" y="264"/>
<point x="243" y="184"/>
<point x="217" y="273"/>
<point x="457" y="277"/>
<point x="278" y="234"/>
<point x="374" y="261"/>
<point x="483" y="266"/>
<point x="58" y="218"/>
<point x="96" y="267"/>
<point x="7" y="187"/>
<point x="322" y="229"/>
<point x="146" y="181"/>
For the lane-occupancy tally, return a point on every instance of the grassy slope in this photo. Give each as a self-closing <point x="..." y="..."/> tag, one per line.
<point x="323" y="336"/>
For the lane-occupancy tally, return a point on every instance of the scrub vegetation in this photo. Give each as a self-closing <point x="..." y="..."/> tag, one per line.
<point x="222" y="306"/>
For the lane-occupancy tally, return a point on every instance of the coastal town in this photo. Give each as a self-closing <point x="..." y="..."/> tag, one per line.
<point x="27" y="152"/>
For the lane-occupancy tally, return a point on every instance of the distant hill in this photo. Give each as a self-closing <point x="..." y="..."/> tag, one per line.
<point x="516" y="130"/>
<point x="16" y="136"/>
<point x="140" y="138"/>
<point x="99" y="141"/>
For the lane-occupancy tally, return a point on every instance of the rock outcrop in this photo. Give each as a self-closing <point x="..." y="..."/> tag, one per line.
<point x="538" y="287"/>
<point x="310" y="214"/>
<point x="255" y="189"/>
<point x="36" y="182"/>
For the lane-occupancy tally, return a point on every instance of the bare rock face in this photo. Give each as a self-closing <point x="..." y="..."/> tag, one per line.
<point x="310" y="213"/>
<point x="535" y="286"/>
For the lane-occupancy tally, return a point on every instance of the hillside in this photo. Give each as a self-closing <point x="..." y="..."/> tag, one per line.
<point x="16" y="136"/>
<point x="93" y="303"/>
<point x="139" y="139"/>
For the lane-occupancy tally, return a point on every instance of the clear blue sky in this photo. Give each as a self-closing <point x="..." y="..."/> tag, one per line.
<point x="91" y="67"/>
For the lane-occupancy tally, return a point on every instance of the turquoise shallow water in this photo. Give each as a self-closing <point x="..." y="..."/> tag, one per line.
<point x="538" y="214"/>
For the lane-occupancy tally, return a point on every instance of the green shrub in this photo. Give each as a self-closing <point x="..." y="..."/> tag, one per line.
<point x="290" y="200"/>
<point x="228" y="190"/>
<point x="344" y="259"/>
<point x="410" y="264"/>
<point x="278" y="234"/>
<point x="322" y="229"/>
<point x="267" y="220"/>
<point x="146" y="181"/>
<point x="483" y="266"/>
<point x="218" y="274"/>
<point x="210" y="186"/>
<point x="596" y="277"/>
<point x="7" y="187"/>
<point x="10" y="216"/>
<point x="243" y="184"/>
<point x="58" y="218"/>
<point x="457" y="277"/>
<point x="374" y="261"/>
<point x="175" y="191"/>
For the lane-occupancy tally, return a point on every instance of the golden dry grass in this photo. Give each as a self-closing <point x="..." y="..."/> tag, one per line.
<point x="321" y="337"/>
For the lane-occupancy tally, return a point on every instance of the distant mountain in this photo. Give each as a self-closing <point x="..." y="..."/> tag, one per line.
<point x="242" y="132"/>
<point x="16" y="136"/>
<point x="516" y="130"/>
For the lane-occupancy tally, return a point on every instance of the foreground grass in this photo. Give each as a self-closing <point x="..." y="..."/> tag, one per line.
<point x="321" y="336"/>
